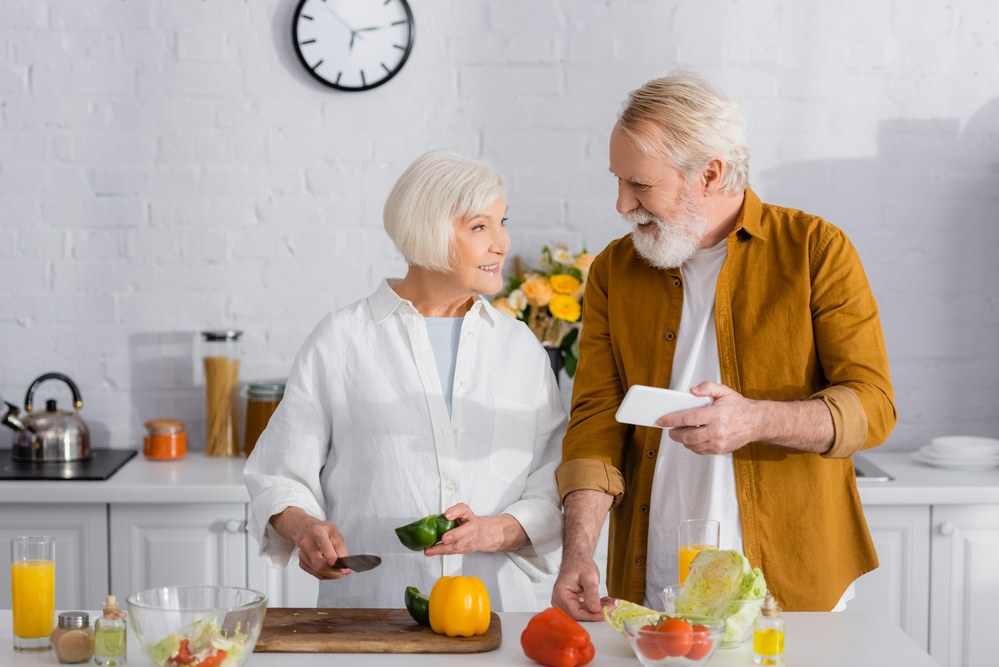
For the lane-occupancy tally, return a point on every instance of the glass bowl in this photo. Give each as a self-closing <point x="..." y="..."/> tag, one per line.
<point x="691" y="642"/>
<point x="738" y="618"/>
<point x="176" y="622"/>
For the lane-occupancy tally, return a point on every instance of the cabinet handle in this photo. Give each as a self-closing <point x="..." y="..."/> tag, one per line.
<point x="233" y="526"/>
<point x="946" y="528"/>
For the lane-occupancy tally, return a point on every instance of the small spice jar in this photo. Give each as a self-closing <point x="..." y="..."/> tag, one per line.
<point x="262" y="399"/>
<point x="73" y="638"/>
<point x="166" y="439"/>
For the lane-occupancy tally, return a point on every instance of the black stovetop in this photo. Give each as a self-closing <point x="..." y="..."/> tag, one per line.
<point x="100" y="466"/>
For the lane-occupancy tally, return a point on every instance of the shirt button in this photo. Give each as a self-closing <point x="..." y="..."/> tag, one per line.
<point x="676" y="283"/>
<point x="650" y="453"/>
<point x="639" y="561"/>
<point x="462" y="383"/>
<point x="459" y="432"/>
<point x="644" y="509"/>
<point x="471" y="332"/>
<point x="449" y="486"/>
<point x="670" y="336"/>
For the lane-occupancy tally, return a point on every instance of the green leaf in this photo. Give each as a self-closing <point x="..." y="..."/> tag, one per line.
<point x="569" y="363"/>
<point x="569" y="339"/>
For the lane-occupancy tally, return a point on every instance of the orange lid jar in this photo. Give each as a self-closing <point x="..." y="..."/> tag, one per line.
<point x="166" y="439"/>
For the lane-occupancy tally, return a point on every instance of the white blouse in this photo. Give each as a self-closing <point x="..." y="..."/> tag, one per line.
<point x="363" y="439"/>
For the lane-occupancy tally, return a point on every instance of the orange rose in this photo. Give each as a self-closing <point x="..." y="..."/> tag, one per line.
<point x="564" y="307"/>
<point x="538" y="290"/>
<point x="583" y="261"/>
<point x="563" y="283"/>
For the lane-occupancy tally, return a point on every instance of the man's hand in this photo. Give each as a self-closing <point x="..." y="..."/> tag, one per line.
<point x="575" y="589"/>
<point x="733" y="421"/>
<point x="730" y="422"/>
<point x="319" y="542"/>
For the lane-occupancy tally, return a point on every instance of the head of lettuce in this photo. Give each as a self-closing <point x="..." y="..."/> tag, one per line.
<point x="722" y="585"/>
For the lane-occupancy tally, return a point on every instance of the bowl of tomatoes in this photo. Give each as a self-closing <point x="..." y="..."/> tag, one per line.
<point x="674" y="640"/>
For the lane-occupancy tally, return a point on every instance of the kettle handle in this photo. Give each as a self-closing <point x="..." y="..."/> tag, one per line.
<point x="30" y="396"/>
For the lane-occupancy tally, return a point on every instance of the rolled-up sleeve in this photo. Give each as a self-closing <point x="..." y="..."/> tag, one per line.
<point x="283" y="469"/>
<point x="850" y="347"/>
<point x="593" y="447"/>
<point x="538" y="510"/>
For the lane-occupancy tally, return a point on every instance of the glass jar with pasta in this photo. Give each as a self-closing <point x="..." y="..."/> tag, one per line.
<point x="220" y="357"/>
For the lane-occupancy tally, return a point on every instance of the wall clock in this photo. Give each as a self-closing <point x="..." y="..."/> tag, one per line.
<point x="353" y="45"/>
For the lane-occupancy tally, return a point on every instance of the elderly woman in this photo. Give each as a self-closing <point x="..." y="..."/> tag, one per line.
<point x="418" y="400"/>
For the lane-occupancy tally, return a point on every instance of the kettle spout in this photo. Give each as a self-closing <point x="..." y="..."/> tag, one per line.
<point x="10" y="418"/>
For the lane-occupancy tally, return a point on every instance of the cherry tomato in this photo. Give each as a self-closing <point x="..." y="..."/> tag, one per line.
<point x="676" y="636"/>
<point x="648" y="643"/>
<point x="702" y="643"/>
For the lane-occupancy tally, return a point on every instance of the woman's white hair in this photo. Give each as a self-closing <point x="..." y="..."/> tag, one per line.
<point x="687" y="121"/>
<point x="438" y="189"/>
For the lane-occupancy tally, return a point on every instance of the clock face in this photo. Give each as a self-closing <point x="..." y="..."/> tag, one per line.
<point x="353" y="45"/>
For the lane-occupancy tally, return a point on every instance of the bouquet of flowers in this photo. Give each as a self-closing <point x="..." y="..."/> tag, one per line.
<point x="550" y="299"/>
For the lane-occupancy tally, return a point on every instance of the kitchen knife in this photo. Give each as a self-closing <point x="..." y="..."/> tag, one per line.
<point x="358" y="563"/>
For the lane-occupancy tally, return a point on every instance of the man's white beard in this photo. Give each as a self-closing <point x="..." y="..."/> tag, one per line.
<point x="671" y="243"/>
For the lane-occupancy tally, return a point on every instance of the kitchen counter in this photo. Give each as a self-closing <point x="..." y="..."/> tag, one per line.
<point x="196" y="478"/>
<point x="813" y="639"/>
<point x="920" y="484"/>
<point x="200" y="479"/>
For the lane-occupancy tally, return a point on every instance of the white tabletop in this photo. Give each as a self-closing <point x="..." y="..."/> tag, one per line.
<point x="812" y="640"/>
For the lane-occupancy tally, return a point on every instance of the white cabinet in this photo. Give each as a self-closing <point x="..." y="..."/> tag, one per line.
<point x="899" y="587"/>
<point x="81" y="549"/>
<point x="284" y="586"/>
<point x="165" y="545"/>
<point x="964" y="584"/>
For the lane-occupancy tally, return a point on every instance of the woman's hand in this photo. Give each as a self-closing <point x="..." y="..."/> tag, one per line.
<point x="319" y="542"/>
<point x="479" y="533"/>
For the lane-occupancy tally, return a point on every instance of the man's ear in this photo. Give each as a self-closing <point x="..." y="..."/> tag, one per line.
<point x="711" y="177"/>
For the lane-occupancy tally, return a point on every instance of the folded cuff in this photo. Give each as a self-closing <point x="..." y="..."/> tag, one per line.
<point x="849" y="420"/>
<point x="594" y="474"/>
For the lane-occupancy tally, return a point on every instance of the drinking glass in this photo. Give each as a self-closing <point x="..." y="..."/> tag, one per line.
<point x="695" y="535"/>
<point x="32" y="592"/>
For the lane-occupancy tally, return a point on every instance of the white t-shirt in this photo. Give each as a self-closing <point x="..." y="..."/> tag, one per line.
<point x="688" y="485"/>
<point x="362" y="438"/>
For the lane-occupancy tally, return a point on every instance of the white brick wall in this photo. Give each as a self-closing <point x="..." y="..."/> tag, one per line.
<point x="167" y="166"/>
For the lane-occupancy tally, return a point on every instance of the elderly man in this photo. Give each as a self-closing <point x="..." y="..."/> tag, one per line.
<point x="764" y="309"/>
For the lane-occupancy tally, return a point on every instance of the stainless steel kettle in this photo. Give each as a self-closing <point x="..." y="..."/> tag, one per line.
<point x="52" y="434"/>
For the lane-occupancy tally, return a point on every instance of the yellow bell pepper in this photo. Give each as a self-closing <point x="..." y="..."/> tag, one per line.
<point x="459" y="607"/>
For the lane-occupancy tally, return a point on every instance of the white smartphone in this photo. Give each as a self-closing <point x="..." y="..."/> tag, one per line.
<point x="643" y="405"/>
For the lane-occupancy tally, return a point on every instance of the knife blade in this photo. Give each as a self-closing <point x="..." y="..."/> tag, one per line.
<point x="357" y="563"/>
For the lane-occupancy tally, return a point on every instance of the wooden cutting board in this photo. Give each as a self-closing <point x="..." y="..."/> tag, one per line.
<point x="294" y="630"/>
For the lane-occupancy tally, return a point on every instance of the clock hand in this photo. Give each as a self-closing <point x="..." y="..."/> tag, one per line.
<point x="338" y="18"/>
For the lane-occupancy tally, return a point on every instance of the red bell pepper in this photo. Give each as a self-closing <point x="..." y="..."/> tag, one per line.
<point x="553" y="638"/>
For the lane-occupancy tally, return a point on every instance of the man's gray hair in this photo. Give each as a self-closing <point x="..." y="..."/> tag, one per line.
<point x="684" y="119"/>
<point x="438" y="189"/>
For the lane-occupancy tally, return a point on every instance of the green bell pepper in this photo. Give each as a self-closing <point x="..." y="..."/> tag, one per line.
<point x="424" y="533"/>
<point x="418" y="605"/>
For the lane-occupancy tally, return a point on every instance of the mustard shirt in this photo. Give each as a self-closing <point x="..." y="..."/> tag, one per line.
<point x="795" y="318"/>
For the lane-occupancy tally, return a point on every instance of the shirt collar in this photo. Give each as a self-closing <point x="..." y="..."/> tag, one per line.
<point x="749" y="216"/>
<point x="384" y="302"/>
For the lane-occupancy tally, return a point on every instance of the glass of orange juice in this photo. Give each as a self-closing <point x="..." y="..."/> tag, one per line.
<point x="32" y="592"/>
<point x="696" y="535"/>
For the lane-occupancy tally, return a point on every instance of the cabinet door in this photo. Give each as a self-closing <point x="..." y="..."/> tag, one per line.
<point x="171" y="545"/>
<point x="81" y="549"/>
<point x="964" y="585"/>
<point x="899" y="588"/>
<point x="284" y="586"/>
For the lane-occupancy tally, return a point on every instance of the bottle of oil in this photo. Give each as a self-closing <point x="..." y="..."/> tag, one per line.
<point x="109" y="635"/>
<point x="768" y="635"/>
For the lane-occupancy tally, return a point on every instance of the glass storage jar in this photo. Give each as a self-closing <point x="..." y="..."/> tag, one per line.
<point x="220" y="357"/>
<point x="262" y="399"/>
<point x="73" y="638"/>
<point x="165" y="440"/>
